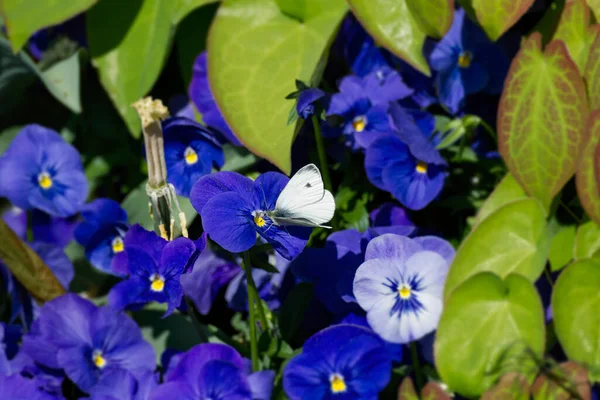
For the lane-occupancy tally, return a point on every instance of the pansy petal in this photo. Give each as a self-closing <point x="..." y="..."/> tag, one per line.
<point x="78" y="366"/>
<point x="261" y="384"/>
<point x="174" y="294"/>
<point x="212" y="185"/>
<point x="389" y="246"/>
<point x="173" y="390"/>
<point x="103" y="211"/>
<point x="375" y="279"/>
<point x="385" y="85"/>
<point x="437" y="245"/>
<point x="267" y="188"/>
<point x="223" y="380"/>
<point x="379" y="154"/>
<point x="289" y="241"/>
<point x="451" y="90"/>
<point x="149" y="241"/>
<point x="127" y="292"/>
<point x="228" y="221"/>
<point x="431" y="268"/>
<point x="67" y="329"/>
<point x="175" y="256"/>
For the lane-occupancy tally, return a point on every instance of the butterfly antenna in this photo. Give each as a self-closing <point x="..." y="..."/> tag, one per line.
<point x="264" y="195"/>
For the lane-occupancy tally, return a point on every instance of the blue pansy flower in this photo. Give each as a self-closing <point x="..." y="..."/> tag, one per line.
<point x="154" y="266"/>
<point x="102" y="232"/>
<point x="359" y="49"/>
<point x="401" y="283"/>
<point x="234" y="210"/>
<point x="343" y="361"/>
<point x="363" y="105"/>
<point x="202" y="97"/>
<point x="46" y="228"/>
<point x="216" y="372"/>
<point x="406" y="164"/>
<point x="40" y="170"/>
<point x="394" y="349"/>
<point x="85" y="341"/>
<point x="210" y="273"/>
<point x="307" y="101"/>
<point x="73" y="28"/>
<point x="17" y="387"/>
<point x="466" y="62"/>
<point x="191" y="151"/>
<point x="119" y="384"/>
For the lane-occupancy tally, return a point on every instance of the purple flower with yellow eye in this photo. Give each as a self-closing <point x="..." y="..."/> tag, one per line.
<point x="154" y="267"/>
<point x="401" y="284"/>
<point x="343" y="361"/>
<point x="102" y="232"/>
<point x="307" y="102"/>
<point x="191" y="151"/>
<point x="406" y="164"/>
<point x="40" y="170"/>
<point x="234" y="209"/>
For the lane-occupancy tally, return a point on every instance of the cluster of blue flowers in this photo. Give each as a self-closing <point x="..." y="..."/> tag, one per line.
<point x="378" y="290"/>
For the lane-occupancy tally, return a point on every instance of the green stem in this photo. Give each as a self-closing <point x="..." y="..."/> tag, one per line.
<point x="252" y="288"/>
<point x="488" y="128"/>
<point x="195" y="321"/>
<point x="251" y="313"/>
<point x="416" y="366"/>
<point x="321" y="151"/>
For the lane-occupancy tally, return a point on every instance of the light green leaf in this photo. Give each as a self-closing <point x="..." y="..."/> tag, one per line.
<point x="62" y="80"/>
<point x="562" y="245"/>
<point x="513" y="239"/>
<point x="237" y="158"/>
<point x="394" y="27"/>
<point x="575" y="305"/>
<point x="595" y="6"/>
<point x="587" y="241"/>
<point x="586" y="181"/>
<point x="433" y="16"/>
<point x="15" y="78"/>
<point x="574" y="29"/>
<point x="507" y="191"/>
<point x="7" y="136"/>
<point x="489" y="327"/>
<point x="496" y="16"/>
<point x="23" y="18"/>
<point x="255" y="54"/>
<point x="130" y="55"/>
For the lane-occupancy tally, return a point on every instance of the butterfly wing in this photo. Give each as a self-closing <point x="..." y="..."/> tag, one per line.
<point x="304" y="200"/>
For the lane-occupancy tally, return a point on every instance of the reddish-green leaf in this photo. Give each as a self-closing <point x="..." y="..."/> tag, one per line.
<point x="542" y="117"/>
<point x="574" y="29"/>
<point x="407" y="391"/>
<point x="433" y="391"/>
<point x="592" y="73"/>
<point x="588" y="188"/>
<point x="496" y="16"/>
<point x="27" y="266"/>
<point x="564" y="382"/>
<point x="512" y="386"/>
<point x="433" y="16"/>
<point x="595" y="6"/>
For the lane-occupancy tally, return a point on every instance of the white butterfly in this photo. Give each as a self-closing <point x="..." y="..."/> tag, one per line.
<point x="304" y="200"/>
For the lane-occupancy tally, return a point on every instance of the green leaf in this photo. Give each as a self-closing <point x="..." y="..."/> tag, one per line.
<point x="592" y="73"/>
<point x="585" y="180"/>
<point x="15" y="78"/>
<point x="574" y="29"/>
<point x="542" y="147"/>
<point x="62" y="80"/>
<point x="23" y="18"/>
<point x="566" y="381"/>
<point x="407" y="391"/>
<point x="575" y="304"/>
<point x="140" y="35"/>
<point x="394" y="27"/>
<point x="433" y="391"/>
<point x="293" y="309"/>
<point x="433" y="16"/>
<point x="237" y="158"/>
<point x="587" y="241"/>
<point x="561" y="246"/>
<point x="29" y="269"/>
<point x="489" y="326"/>
<point x="513" y="239"/>
<point x="136" y="206"/>
<point x="458" y="128"/>
<point x="512" y="386"/>
<point x="255" y="54"/>
<point x="507" y="191"/>
<point x="7" y="136"/>
<point x="496" y="16"/>
<point x="595" y="6"/>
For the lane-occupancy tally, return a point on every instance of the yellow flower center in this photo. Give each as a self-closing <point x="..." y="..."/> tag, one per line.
<point x="98" y="359"/>
<point x="117" y="245"/>
<point x="190" y="155"/>
<point x="44" y="180"/>
<point x="359" y="123"/>
<point x="338" y="384"/>
<point x="404" y="291"/>
<point x="259" y="221"/>
<point x="464" y="59"/>
<point x="421" y="167"/>
<point x="158" y="283"/>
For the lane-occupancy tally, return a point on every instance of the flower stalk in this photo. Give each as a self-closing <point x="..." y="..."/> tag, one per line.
<point x="251" y="312"/>
<point x="321" y="152"/>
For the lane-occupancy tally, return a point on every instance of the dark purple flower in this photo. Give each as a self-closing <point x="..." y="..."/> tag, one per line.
<point x="85" y="341"/>
<point x="216" y="372"/>
<point x="119" y="384"/>
<point x="203" y="99"/>
<point x="46" y="228"/>
<point x="154" y="267"/>
<point x="343" y="361"/>
<point x="307" y="100"/>
<point x="406" y="164"/>
<point x="394" y="349"/>
<point x="359" y="49"/>
<point x="389" y="218"/>
<point x="466" y="62"/>
<point x="17" y="387"/>
<point x="40" y="170"/>
<point x="209" y="274"/>
<point x="191" y="151"/>
<point x="102" y="232"/>
<point x="234" y="209"/>
<point x="363" y="105"/>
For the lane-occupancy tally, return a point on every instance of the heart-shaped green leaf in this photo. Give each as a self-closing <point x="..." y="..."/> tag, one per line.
<point x="394" y="27"/>
<point x="587" y="241"/>
<point x="136" y="45"/>
<point x="508" y="190"/>
<point x="255" y="54"/>
<point x="586" y="182"/>
<point x="562" y="246"/>
<point x="595" y="6"/>
<point x="574" y="29"/>
<point x="542" y="117"/>
<point x="575" y="304"/>
<point x="433" y="16"/>
<point x="23" y="18"/>
<point x="489" y="327"/>
<point x="513" y="239"/>
<point x="496" y="16"/>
